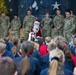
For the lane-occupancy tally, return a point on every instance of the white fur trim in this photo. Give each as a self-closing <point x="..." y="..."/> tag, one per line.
<point x="37" y="22"/>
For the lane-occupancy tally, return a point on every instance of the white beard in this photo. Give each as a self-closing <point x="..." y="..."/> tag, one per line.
<point x="36" y="29"/>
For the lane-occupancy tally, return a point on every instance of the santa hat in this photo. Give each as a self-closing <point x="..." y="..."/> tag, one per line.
<point x="37" y="21"/>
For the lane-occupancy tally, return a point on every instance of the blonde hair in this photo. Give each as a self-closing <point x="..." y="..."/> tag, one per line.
<point x="36" y="46"/>
<point x="2" y="47"/>
<point x="27" y="48"/>
<point x="55" y="64"/>
<point x="14" y="50"/>
<point x="51" y="46"/>
<point x="53" y="67"/>
<point x="48" y="39"/>
<point x="25" y="68"/>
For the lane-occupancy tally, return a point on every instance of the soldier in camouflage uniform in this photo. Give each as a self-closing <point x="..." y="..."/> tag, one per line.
<point x="1" y="30"/>
<point x="69" y="26"/>
<point x="74" y="17"/>
<point x="28" y="23"/>
<point x="75" y="26"/>
<point x="15" y="26"/>
<point x="46" y="24"/>
<point x="4" y="25"/>
<point x="58" y="24"/>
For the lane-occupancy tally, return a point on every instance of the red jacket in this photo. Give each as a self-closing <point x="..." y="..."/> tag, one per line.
<point x="74" y="59"/>
<point x="43" y="50"/>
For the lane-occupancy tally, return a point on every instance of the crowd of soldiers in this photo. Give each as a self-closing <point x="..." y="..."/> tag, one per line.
<point x="58" y="26"/>
<point x="6" y="25"/>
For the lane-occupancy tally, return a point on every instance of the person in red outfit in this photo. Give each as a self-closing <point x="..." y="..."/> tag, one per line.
<point x="36" y="28"/>
<point x="74" y="59"/>
<point x="35" y="31"/>
<point x="43" y="48"/>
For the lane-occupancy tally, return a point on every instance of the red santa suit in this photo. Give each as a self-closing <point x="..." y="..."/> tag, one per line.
<point x="36" y="30"/>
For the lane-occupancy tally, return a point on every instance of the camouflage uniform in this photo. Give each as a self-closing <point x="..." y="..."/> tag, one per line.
<point x="15" y="24"/>
<point x="46" y="27"/>
<point x="69" y="27"/>
<point x="27" y="24"/>
<point x="74" y="17"/>
<point x="4" y="26"/>
<point x="1" y="30"/>
<point x="58" y="24"/>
